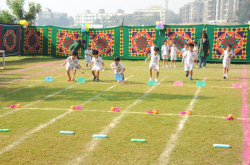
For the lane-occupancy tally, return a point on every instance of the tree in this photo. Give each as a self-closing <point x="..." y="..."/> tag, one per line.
<point x="18" y="13"/>
<point x="243" y="12"/>
<point x="6" y="17"/>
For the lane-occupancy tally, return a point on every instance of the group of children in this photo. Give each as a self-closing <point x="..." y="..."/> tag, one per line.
<point x="189" y="57"/>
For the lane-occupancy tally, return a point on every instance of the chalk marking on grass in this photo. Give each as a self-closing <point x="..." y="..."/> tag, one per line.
<point x="165" y="155"/>
<point x="27" y="86"/>
<point x="30" y="133"/>
<point x="94" y="142"/>
<point x="245" y="110"/>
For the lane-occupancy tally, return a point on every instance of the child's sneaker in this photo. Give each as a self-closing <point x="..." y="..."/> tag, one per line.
<point x="190" y="78"/>
<point x="123" y="82"/>
<point x="69" y="79"/>
<point x="174" y="66"/>
<point x="94" y="78"/>
<point x="156" y="80"/>
<point x="73" y="79"/>
<point x="97" y="79"/>
<point x="187" y="74"/>
<point x="118" y="81"/>
<point x="224" y="76"/>
<point x="167" y="66"/>
<point x="150" y="79"/>
<point x="163" y="66"/>
<point x="170" y="66"/>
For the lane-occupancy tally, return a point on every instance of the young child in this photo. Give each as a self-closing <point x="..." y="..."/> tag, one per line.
<point x="72" y="63"/>
<point x="183" y="51"/>
<point x="118" y="68"/>
<point x="190" y="56"/>
<point x="152" y="47"/>
<point x="173" y="54"/>
<point x="98" y="63"/>
<point x="165" y="53"/>
<point x="228" y="55"/>
<point x="196" y="50"/>
<point x="88" y="54"/>
<point x="154" y="63"/>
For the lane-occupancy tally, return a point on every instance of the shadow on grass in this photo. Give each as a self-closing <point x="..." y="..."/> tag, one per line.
<point x="39" y="92"/>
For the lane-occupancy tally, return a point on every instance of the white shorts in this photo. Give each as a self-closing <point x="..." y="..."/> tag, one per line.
<point x="226" y="64"/>
<point x="95" y="68"/>
<point x="154" y="66"/>
<point x="174" y="57"/>
<point x="164" y="57"/>
<point x="188" y="67"/>
<point x="87" y="59"/>
<point x="70" y="66"/>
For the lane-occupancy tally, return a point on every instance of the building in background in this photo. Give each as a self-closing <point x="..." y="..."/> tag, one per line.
<point x="150" y="11"/>
<point x="90" y="18"/>
<point x="48" y="14"/>
<point x="210" y="11"/>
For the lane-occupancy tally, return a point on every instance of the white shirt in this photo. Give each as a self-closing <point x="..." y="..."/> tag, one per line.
<point x="152" y="49"/>
<point x="190" y="56"/>
<point x="88" y="52"/>
<point x="227" y="55"/>
<point x="98" y="61"/>
<point x="195" y="48"/>
<point x="155" y="59"/>
<point x="165" y="49"/>
<point x="72" y="62"/>
<point x="184" y="50"/>
<point x="118" y="67"/>
<point x="173" y="51"/>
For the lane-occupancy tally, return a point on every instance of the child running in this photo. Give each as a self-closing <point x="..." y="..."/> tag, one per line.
<point x="165" y="53"/>
<point x="189" y="58"/>
<point x="88" y="54"/>
<point x="183" y="51"/>
<point x="72" y="63"/>
<point x="154" y="63"/>
<point x="118" y="68"/>
<point x="196" y="50"/>
<point x="228" y="55"/>
<point x="98" y="63"/>
<point x="173" y="54"/>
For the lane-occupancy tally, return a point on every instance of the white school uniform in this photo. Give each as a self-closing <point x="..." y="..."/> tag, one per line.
<point x="118" y="68"/>
<point x="71" y="63"/>
<point x="154" y="62"/>
<point x="88" y="58"/>
<point x="165" y="52"/>
<point x="190" y="56"/>
<point x="97" y="63"/>
<point x="173" y="53"/>
<point x="152" y="50"/>
<point x="195" y="48"/>
<point x="226" y="59"/>
<point x="184" y="50"/>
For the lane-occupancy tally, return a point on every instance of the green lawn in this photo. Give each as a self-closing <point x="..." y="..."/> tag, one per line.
<point x="35" y="138"/>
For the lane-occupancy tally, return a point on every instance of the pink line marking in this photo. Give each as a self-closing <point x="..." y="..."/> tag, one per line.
<point x="20" y="79"/>
<point x="22" y="70"/>
<point x="245" y="119"/>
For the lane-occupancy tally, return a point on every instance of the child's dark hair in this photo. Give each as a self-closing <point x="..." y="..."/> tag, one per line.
<point x="116" y="58"/>
<point x="191" y="45"/>
<point x="164" y="41"/>
<point x="157" y="49"/>
<point x="174" y="43"/>
<point x="95" y="52"/>
<point x="154" y="42"/>
<point x="81" y="41"/>
<point x="187" y="44"/>
<point x="229" y="45"/>
<point x="89" y="46"/>
<point x="75" y="54"/>
<point x="195" y="42"/>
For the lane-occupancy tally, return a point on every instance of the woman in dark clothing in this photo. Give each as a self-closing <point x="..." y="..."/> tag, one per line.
<point x="203" y="49"/>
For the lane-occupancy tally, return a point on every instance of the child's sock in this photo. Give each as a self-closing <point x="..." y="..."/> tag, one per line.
<point x="150" y="79"/>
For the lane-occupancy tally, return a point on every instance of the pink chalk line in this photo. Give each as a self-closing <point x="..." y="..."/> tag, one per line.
<point x="245" y="111"/>
<point x="22" y="70"/>
<point x="20" y="79"/>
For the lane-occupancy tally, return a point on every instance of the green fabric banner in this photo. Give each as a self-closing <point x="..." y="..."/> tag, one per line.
<point x="131" y="42"/>
<point x="10" y="39"/>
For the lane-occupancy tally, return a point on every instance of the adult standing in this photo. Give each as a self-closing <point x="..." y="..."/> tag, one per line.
<point x="77" y="45"/>
<point x="203" y="49"/>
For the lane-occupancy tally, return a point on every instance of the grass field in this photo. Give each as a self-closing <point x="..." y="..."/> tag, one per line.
<point x="35" y="138"/>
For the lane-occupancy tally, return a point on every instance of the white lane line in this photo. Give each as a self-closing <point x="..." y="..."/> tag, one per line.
<point x="94" y="142"/>
<point x="30" y="133"/>
<point x="27" y="86"/>
<point x="165" y="155"/>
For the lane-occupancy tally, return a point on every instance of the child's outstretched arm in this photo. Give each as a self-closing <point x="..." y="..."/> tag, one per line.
<point x="111" y="66"/>
<point x="104" y="67"/>
<point x="90" y="64"/>
<point x="221" y="56"/>
<point x="122" y="71"/>
<point x="147" y="58"/>
<point x="79" y="66"/>
<point x="183" y="58"/>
